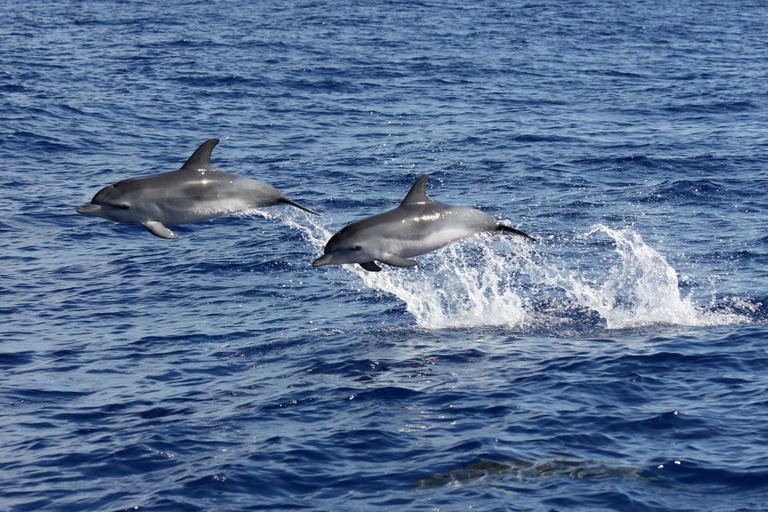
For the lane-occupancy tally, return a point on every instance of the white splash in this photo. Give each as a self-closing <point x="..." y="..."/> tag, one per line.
<point x="456" y="291"/>
<point x="503" y="281"/>
<point x="641" y="289"/>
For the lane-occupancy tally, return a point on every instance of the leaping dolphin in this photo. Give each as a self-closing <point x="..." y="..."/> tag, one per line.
<point x="195" y="192"/>
<point x="418" y="226"/>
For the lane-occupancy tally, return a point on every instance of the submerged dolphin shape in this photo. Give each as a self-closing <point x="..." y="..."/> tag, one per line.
<point x="528" y="469"/>
<point x="195" y="192"/>
<point x="418" y="226"/>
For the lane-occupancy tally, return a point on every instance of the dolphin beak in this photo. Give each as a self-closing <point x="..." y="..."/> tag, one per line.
<point x="325" y="259"/>
<point x="89" y="209"/>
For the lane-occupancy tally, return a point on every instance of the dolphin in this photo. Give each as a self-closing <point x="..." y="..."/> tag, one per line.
<point x="195" y="192"/>
<point x="529" y="469"/>
<point x="418" y="226"/>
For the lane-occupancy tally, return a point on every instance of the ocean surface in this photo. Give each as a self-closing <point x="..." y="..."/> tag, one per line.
<point x="618" y="363"/>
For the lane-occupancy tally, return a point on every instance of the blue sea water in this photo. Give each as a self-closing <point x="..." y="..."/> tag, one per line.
<point x="619" y="363"/>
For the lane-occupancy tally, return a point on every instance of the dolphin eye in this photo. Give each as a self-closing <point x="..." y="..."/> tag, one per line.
<point x="357" y="247"/>
<point x="122" y="206"/>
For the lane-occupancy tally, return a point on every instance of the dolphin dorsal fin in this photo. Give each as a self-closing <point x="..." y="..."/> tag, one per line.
<point x="418" y="193"/>
<point x="201" y="158"/>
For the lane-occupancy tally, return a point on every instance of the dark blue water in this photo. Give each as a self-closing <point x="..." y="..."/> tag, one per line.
<point x="620" y="363"/>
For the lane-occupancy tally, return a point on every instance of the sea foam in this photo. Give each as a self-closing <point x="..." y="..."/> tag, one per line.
<point x="507" y="281"/>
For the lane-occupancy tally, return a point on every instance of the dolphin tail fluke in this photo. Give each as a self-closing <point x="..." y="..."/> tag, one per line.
<point x="158" y="229"/>
<point x="297" y="205"/>
<point x="501" y="228"/>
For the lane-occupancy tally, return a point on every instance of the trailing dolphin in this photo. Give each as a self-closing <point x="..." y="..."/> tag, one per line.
<point x="529" y="469"/>
<point x="195" y="192"/>
<point x="418" y="226"/>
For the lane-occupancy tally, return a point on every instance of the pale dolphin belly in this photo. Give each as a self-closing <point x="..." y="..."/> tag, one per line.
<point x="433" y="241"/>
<point x="176" y="212"/>
<point x="206" y="199"/>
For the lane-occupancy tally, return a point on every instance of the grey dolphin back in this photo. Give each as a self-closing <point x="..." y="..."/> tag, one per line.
<point x="418" y="195"/>
<point x="201" y="158"/>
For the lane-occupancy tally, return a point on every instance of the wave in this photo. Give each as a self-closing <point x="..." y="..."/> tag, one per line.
<point x="640" y="289"/>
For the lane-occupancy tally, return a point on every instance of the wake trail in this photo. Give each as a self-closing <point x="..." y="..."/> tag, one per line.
<point x="500" y="281"/>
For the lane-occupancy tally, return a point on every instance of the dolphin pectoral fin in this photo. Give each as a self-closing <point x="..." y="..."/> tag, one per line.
<point x="371" y="266"/>
<point x="501" y="228"/>
<point x="398" y="261"/>
<point x="158" y="229"/>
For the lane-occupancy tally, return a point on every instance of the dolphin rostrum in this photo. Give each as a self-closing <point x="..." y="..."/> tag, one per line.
<point x="195" y="192"/>
<point x="418" y="226"/>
